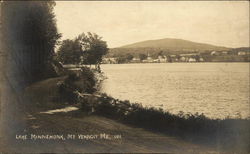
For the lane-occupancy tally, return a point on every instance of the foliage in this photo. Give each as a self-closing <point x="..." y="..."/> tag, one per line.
<point x="125" y="58"/>
<point x="129" y="57"/>
<point x="233" y="133"/>
<point x="142" y="56"/>
<point x="88" y="80"/>
<point x="93" y="48"/>
<point x="83" y="82"/>
<point x="30" y="34"/>
<point x="121" y="60"/>
<point x="160" y="53"/>
<point x="86" y="49"/>
<point x="69" y="52"/>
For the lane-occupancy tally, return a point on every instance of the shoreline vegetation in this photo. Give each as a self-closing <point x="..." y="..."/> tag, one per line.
<point x="229" y="133"/>
<point x="158" y="55"/>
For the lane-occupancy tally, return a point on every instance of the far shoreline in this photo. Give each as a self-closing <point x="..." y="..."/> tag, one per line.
<point x="179" y="63"/>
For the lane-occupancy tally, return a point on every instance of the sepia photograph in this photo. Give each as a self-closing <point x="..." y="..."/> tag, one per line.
<point x="166" y="77"/>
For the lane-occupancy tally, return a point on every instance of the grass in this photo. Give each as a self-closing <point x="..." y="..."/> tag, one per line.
<point x="228" y="133"/>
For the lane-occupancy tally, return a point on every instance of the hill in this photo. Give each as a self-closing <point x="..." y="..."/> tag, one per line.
<point x="174" y="44"/>
<point x="167" y="45"/>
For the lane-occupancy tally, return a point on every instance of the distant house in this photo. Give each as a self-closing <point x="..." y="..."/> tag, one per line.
<point x="109" y="60"/>
<point x="214" y="53"/>
<point x="201" y="59"/>
<point x="175" y="59"/>
<point x="240" y="53"/>
<point x="113" y="60"/>
<point x="162" y="59"/>
<point x="183" y="59"/>
<point x="191" y="60"/>
<point x="135" y="60"/>
<point x="156" y="60"/>
<point x="149" y="59"/>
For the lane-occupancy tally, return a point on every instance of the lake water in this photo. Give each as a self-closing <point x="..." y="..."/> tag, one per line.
<point x="216" y="89"/>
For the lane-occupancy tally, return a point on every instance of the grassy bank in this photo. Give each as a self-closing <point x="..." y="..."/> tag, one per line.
<point x="228" y="134"/>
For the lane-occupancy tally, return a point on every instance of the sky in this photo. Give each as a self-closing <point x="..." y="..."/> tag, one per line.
<point x="223" y="23"/>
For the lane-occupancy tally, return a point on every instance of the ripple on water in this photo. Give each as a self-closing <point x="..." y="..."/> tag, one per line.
<point x="216" y="89"/>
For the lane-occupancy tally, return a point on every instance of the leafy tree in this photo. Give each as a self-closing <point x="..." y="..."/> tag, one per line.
<point x="178" y="56"/>
<point x="142" y="56"/>
<point x="160" y="53"/>
<point x="169" y="58"/>
<point x="121" y="60"/>
<point x="124" y="58"/>
<point x="30" y="34"/>
<point x="196" y="57"/>
<point x="86" y="49"/>
<point x="93" y="48"/>
<point x="69" y="52"/>
<point x="129" y="57"/>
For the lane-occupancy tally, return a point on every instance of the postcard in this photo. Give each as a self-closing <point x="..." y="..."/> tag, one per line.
<point x="124" y="77"/>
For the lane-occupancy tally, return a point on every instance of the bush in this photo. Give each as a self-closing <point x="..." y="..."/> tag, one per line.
<point x="83" y="82"/>
<point x="197" y="128"/>
<point x="67" y="94"/>
<point x="89" y="81"/>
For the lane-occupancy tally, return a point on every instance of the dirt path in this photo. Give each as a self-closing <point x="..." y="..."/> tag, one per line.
<point x="128" y="139"/>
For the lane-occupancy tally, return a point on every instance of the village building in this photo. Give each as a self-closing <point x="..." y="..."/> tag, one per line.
<point x="109" y="61"/>
<point x="183" y="59"/>
<point x="135" y="60"/>
<point x="191" y="60"/>
<point x="149" y="59"/>
<point x="201" y="59"/>
<point x="172" y="56"/>
<point x="162" y="59"/>
<point x="241" y="53"/>
<point x="156" y="60"/>
<point x="214" y="53"/>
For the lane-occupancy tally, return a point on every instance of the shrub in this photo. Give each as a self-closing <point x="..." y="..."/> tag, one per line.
<point x="196" y="128"/>
<point x="83" y="81"/>
<point x="87" y="77"/>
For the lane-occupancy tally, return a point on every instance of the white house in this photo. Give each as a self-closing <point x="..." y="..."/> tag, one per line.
<point x="183" y="59"/>
<point x="109" y="61"/>
<point x="214" y="53"/>
<point x="201" y="59"/>
<point x="240" y="53"/>
<point x="162" y="59"/>
<point x="149" y="59"/>
<point x="191" y="60"/>
<point x="135" y="60"/>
